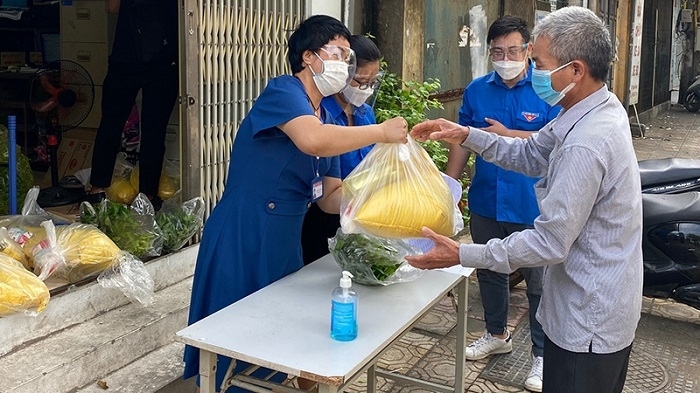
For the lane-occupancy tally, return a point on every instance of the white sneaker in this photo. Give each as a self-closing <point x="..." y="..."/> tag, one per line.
<point x="533" y="382"/>
<point x="488" y="345"/>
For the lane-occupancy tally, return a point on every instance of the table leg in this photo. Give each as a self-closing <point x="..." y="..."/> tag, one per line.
<point x="460" y="359"/>
<point x="207" y="371"/>
<point x="372" y="378"/>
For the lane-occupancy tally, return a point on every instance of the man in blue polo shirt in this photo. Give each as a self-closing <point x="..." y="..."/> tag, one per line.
<point x="500" y="201"/>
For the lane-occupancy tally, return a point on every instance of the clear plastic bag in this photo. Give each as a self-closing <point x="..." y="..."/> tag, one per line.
<point x="168" y="184"/>
<point x="373" y="260"/>
<point x="25" y="229"/>
<point x="395" y="192"/>
<point x="12" y="249"/>
<point x="20" y="289"/>
<point x="73" y="252"/>
<point x="129" y="275"/>
<point x="179" y="221"/>
<point x="120" y="189"/>
<point x="133" y="228"/>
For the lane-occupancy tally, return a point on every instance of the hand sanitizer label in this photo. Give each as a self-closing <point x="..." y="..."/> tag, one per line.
<point x="343" y="321"/>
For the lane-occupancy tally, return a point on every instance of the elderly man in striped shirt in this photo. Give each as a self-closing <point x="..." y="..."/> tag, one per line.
<point x="589" y="230"/>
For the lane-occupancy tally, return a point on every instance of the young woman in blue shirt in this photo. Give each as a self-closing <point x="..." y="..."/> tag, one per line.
<point x="347" y="108"/>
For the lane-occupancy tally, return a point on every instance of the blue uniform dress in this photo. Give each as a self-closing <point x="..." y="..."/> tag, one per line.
<point x="319" y="225"/>
<point x="252" y="237"/>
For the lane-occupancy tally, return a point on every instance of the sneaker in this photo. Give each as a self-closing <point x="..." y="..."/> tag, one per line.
<point x="533" y="382"/>
<point x="488" y="345"/>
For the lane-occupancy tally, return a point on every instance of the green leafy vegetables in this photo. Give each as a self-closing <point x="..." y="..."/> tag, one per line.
<point x="178" y="227"/>
<point x="371" y="259"/>
<point x="137" y="234"/>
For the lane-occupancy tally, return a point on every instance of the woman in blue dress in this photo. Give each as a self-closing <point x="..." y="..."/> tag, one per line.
<point x="346" y="108"/>
<point x="283" y="158"/>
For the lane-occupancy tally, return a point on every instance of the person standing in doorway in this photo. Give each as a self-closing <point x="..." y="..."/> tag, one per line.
<point x="501" y="201"/>
<point x="143" y="58"/>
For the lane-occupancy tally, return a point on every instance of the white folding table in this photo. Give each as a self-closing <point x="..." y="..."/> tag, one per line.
<point x="286" y="327"/>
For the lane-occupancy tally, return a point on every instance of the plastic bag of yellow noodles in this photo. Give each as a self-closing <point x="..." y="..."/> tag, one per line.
<point x="20" y="289"/>
<point x="394" y="192"/>
<point x="73" y="251"/>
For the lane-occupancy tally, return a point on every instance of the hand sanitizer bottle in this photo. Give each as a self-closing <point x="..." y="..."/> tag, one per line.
<point x="344" y="310"/>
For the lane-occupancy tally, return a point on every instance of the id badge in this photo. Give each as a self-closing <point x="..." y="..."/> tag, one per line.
<point x="317" y="189"/>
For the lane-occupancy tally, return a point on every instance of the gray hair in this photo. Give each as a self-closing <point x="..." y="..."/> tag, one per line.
<point x="576" y="33"/>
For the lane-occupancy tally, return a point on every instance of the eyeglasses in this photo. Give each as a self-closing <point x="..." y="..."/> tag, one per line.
<point x="371" y="84"/>
<point x="513" y="52"/>
<point x="342" y="53"/>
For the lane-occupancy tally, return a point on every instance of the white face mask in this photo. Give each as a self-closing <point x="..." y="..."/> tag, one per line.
<point x="508" y="70"/>
<point x="333" y="77"/>
<point x="355" y="96"/>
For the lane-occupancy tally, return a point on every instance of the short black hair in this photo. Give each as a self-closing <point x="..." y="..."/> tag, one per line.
<point x="508" y="24"/>
<point x="312" y="34"/>
<point x="366" y="50"/>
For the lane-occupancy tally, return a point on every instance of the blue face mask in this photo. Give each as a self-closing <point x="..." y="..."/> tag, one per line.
<point x="542" y="84"/>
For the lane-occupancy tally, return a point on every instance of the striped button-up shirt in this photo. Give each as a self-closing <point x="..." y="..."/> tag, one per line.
<point x="589" y="230"/>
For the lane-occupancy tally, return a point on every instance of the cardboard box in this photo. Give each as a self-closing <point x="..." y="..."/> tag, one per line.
<point x="12" y="59"/>
<point x="73" y="154"/>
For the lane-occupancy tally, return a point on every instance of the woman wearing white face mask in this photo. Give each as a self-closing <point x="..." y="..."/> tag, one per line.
<point x="345" y="108"/>
<point x="284" y="158"/>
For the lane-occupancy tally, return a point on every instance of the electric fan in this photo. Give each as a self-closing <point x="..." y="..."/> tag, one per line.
<point x="61" y="94"/>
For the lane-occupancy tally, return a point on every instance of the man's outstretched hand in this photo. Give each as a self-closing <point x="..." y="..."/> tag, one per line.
<point x="440" y="129"/>
<point x="444" y="254"/>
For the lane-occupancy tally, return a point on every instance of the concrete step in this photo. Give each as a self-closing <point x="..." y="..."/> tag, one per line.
<point x="83" y="303"/>
<point x="76" y="356"/>
<point x="147" y="374"/>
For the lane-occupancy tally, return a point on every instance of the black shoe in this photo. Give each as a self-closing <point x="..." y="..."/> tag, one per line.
<point x="95" y="198"/>
<point x="156" y="202"/>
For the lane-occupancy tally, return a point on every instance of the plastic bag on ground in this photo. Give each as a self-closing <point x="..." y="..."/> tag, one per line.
<point x="20" y="289"/>
<point x="373" y="260"/>
<point x="395" y="192"/>
<point x="179" y="221"/>
<point x="120" y="190"/>
<point x="25" y="229"/>
<point x="129" y="275"/>
<point x="168" y="184"/>
<point x="133" y="228"/>
<point x="12" y="249"/>
<point x="73" y="252"/>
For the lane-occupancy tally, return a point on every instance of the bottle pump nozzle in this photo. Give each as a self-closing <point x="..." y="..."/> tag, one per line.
<point x="345" y="281"/>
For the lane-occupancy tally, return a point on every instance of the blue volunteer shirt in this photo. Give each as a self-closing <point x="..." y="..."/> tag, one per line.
<point x="497" y="193"/>
<point x="362" y="116"/>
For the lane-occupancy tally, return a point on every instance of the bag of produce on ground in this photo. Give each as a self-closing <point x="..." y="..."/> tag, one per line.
<point x="12" y="249"/>
<point x="120" y="190"/>
<point x="168" y="184"/>
<point x="129" y="275"/>
<point x="396" y="191"/>
<point x="373" y="260"/>
<point x="73" y="252"/>
<point x="133" y="229"/>
<point x="25" y="228"/>
<point x="20" y="289"/>
<point x="179" y="221"/>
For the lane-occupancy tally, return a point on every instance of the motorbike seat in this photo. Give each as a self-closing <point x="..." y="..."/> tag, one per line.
<point x="662" y="208"/>
<point x="668" y="170"/>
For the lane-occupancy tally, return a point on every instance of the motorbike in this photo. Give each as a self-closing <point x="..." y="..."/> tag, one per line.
<point x="671" y="237"/>
<point x="692" y="96"/>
